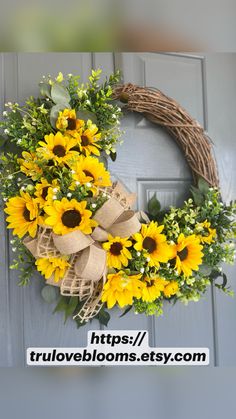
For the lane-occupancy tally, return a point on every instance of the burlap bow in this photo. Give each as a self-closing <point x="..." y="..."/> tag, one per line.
<point x="87" y="272"/>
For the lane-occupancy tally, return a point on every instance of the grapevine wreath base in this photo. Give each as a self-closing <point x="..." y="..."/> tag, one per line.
<point x="76" y="226"/>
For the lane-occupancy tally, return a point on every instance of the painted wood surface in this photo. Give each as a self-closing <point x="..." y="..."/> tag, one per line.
<point x="149" y="161"/>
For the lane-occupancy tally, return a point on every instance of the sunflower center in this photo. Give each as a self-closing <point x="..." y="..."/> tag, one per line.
<point x="71" y="123"/>
<point x="45" y="192"/>
<point x="84" y="140"/>
<point x="116" y="248"/>
<point x="26" y="214"/>
<point x="87" y="173"/>
<point x="150" y="283"/>
<point x="183" y="254"/>
<point x="59" y="150"/>
<point x="149" y="244"/>
<point x="71" y="218"/>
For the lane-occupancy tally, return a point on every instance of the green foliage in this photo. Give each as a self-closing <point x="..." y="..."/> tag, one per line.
<point x="154" y="207"/>
<point x="103" y="317"/>
<point x="50" y="293"/>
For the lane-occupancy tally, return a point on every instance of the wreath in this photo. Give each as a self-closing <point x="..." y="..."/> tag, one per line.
<point x="75" y="226"/>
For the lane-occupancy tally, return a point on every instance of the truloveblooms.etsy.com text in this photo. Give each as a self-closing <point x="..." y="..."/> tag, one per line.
<point x="117" y="347"/>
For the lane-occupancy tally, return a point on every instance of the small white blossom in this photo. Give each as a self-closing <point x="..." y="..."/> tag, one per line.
<point x="4" y="113"/>
<point x="72" y="172"/>
<point x="12" y="241"/>
<point x="9" y="177"/>
<point x="167" y="265"/>
<point x="70" y="75"/>
<point x="223" y="259"/>
<point x="19" y="141"/>
<point x="14" y="249"/>
<point x="138" y="254"/>
<point x="6" y="131"/>
<point x="5" y="199"/>
<point x="54" y="197"/>
<point x="55" y="190"/>
<point x="176" y="273"/>
<point x="209" y="203"/>
<point x="104" y="195"/>
<point x="88" y="184"/>
<point x="148" y="259"/>
<point x="220" y="269"/>
<point x="210" y="250"/>
<point x="142" y="270"/>
<point x="77" y="183"/>
<point x="19" y="179"/>
<point x="88" y="102"/>
<point x="94" y="205"/>
<point x="69" y="195"/>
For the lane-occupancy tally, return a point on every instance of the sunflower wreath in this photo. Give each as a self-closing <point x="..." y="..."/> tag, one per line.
<point x="76" y="227"/>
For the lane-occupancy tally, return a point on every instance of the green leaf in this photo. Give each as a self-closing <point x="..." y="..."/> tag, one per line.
<point x="62" y="304"/>
<point x="203" y="185"/>
<point x="45" y="90"/>
<point x="49" y="293"/>
<point x="2" y="140"/>
<point x="71" y="307"/>
<point x="205" y="270"/>
<point x="85" y="115"/>
<point x="103" y="159"/>
<point x="113" y="156"/>
<point x="55" y="112"/>
<point x="103" y="316"/>
<point x="59" y="94"/>
<point x="154" y="206"/>
<point x="126" y="311"/>
<point x="198" y="197"/>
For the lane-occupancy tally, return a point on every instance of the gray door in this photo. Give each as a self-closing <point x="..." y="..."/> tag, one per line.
<point x="149" y="161"/>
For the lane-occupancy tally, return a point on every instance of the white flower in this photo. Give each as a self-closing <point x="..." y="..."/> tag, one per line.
<point x="54" y="197"/>
<point x="6" y="131"/>
<point x="72" y="172"/>
<point x="55" y="190"/>
<point x="210" y="250"/>
<point x="77" y="183"/>
<point x="4" y="113"/>
<point x="223" y="259"/>
<point x="209" y="203"/>
<point x="88" y="184"/>
<point x="19" y="141"/>
<point x="19" y="179"/>
<point x="94" y="205"/>
<point x="104" y="195"/>
<point x="148" y="259"/>
<point x="69" y="195"/>
<point x="14" y="249"/>
<point x="9" y="177"/>
<point x="220" y="269"/>
<point x="12" y="241"/>
<point x="167" y="265"/>
<point x="5" y="199"/>
<point x="142" y="270"/>
<point x="138" y="254"/>
<point x="88" y="102"/>
<point x="70" y="75"/>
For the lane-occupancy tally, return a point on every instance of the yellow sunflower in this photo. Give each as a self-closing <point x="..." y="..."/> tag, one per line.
<point x="29" y="166"/>
<point x="67" y="121"/>
<point x="57" y="147"/>
<point x="153" y="243"/>
<point x="65" y="216"/>
<point x="55" y="267"/>
<point x="153" y="288"/>
<point x="44" y="191"/>
<point x="90" y="170"/>
<point x="23" y="214"/>
<point x="122" y="289"/>
<point x="88" y="140"/>
<point x="187" y="254"/>
<point x="171" y="288"/>
<point x="206" y="233"/>
<point x="117" y="253"/>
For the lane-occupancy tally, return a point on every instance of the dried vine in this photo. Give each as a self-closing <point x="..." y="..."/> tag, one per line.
<point x="187" y="132"/>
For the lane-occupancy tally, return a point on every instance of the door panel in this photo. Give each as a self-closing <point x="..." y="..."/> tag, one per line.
<point x="148" y="162"/>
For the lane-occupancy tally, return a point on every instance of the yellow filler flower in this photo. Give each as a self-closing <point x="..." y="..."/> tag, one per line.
<point x="44" y="191"/>
<point x="65" y="216"/>
<point x="67" y="121"/>
<point x="90" y="170"/>
<point x="206" y="233"/>
<point x="187" y="254"/>
<point x="152" y="289"/>
<point x="52" y="267"/>
<point x="171" y="289"/>
<point x="23" y="214"/>
<point x="153" y="243"/>
<point x="117" y="253"/>
<point x="88" y="140"/>
<point x="122" y="289"/>
<point x="29" y="166"/>
<point x="57" y="147"/>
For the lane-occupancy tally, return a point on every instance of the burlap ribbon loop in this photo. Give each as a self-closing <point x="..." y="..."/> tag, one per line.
<point x="91" y="263"/>
<point x="71" y="243"/>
